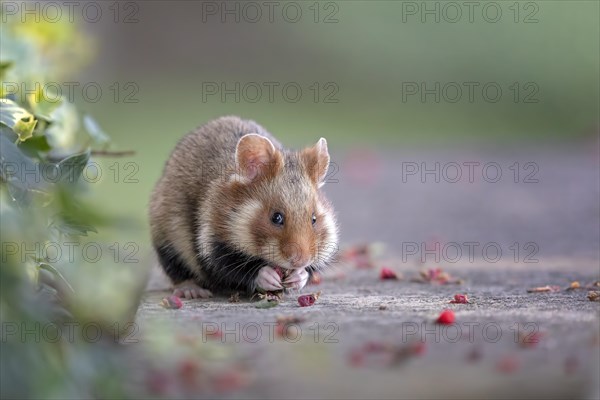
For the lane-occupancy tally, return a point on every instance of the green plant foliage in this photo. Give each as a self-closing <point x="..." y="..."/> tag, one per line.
<point x="43" y="153"/>
<point x="17" y="118"/>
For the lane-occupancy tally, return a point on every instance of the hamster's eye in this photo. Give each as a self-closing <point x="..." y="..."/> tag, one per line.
<point x="314" y="219"/>
<point x="277" y="218"/>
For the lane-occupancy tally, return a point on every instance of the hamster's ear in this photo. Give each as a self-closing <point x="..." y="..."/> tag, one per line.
<point x="255" y="155"/>
<point x="316" y="161"/>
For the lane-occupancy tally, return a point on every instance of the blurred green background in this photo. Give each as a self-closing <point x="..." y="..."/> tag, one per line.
<point x="353" y="60"/>
<point x="376" y="48"/>
<point x="144" y="71"/>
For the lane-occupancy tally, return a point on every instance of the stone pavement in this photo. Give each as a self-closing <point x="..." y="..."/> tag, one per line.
<point x="361" y="339"/>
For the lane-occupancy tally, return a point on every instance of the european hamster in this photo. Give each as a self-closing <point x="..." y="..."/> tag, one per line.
<point x="233" y="208"/>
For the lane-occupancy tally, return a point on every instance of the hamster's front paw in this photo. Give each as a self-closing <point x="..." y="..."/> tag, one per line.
<point x="268" y="279"/>
<point x="190" y="290"/>
<point x="297" y="279"/>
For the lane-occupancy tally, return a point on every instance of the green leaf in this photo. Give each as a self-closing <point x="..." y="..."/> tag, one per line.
<point x="69" y="226"/>
<point x="266" y="303"/>
<point x="35" y="144"/>
<point x="4" y="66"/>
<point x="70" y="168"/>
<point x="22" y="174"/>
<point x="94" y="130"/>
<point x="21" y="121"/>
<point x="16" y="168"/>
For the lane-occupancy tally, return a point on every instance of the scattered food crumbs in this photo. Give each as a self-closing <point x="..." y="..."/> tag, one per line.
<point x="266" y="303"/>
<point x="287" y="331"/>
<point x="436" y="276"/>
<point x="315" y="278"/>
<point x="289" y="319"/>
<point x="542" y="289"/>
<point x="574" y="285"/>
<point x="446" y="317"/>
<point x="507" y="364"/>
<point x="530" y="340"/>
<point x="278" y="295"/>
<point x="362" y="255"/>
<point x="593" y="296"/>
<point x="269" y="299"/>
<point x="359" y="255"/>
<point x="460" y="299"/>
<point x="387" y="273"/>
<point x="234" y="298"/>
<point x="307" y="300"/>
<point x="284" y="323"/>
<point x="171" y="302"/>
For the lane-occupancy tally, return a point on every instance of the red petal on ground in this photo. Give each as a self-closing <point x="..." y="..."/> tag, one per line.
<point x="307" y="300"/>
<point x="460" y="299"/>
<point x="387" y="273"/>
<point x="446" y="317"/>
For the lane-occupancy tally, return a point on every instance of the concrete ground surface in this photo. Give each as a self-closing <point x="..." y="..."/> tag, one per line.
<point x="362" y="337"/>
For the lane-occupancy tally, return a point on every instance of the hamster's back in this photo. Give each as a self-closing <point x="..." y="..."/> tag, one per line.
<point x="197" y="161"/>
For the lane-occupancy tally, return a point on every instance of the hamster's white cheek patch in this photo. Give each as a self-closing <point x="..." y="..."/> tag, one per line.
<point x="241" y="223"/>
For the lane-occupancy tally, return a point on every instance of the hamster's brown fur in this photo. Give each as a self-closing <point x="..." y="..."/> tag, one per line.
<point x="211" y="211"/>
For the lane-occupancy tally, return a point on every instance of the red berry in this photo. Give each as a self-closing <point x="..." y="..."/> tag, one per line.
<point x="279" y="271"/>
<point x="434" y="273"/>
<point x="308" y="299"/>
<point x="460" y="299"/>
<point x="446" y="317"/>
<point x="387" y="273"/>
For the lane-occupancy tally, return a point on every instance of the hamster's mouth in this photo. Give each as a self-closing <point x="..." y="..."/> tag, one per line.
<point x="282" y="272"/>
